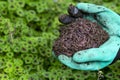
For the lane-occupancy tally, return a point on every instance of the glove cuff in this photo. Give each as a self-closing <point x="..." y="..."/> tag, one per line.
<point x="117" y="57"/>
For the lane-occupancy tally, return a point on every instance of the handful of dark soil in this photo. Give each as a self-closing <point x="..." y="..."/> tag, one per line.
<point x="78" y="34"/>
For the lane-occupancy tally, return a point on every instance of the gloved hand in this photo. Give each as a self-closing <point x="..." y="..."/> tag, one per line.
<point x="97" y="58"/>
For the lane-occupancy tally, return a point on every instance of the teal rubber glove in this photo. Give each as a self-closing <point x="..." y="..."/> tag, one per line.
<point x="97" y="58"/>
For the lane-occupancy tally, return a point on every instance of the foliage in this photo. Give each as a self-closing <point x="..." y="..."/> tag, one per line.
<point x="27" y="31"/>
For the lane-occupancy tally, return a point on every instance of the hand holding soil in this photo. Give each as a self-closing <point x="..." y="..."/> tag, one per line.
<point x="78" y="34"/>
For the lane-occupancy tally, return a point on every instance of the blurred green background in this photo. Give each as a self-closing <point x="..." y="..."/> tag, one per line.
<point x="28" y="29"/>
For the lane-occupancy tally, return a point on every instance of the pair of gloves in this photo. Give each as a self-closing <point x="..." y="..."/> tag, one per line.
<point x="107" y="53"/>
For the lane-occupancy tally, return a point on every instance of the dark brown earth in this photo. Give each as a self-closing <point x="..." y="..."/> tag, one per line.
<point x="79" y="35"/>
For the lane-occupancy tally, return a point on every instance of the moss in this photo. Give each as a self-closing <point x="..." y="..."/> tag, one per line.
<point x="4" y="77"/>
<point x="10" y="54"/>
<point x="27" y="31"/>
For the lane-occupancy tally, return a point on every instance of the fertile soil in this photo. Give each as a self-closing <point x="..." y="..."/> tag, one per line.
<point x="79" y="35"/>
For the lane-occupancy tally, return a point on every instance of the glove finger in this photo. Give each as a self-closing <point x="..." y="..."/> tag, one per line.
<point x="105" y="16"/>
<point x="113" y="41"/>
<point x="91" y="8"/>
<point x="82" y="66"/>
<point x="66" y="19"/>
<point x="68" y="61"/>
<point x="104" y="53"/>
<point x="94" y="54"/>
<point x="111" y="21"/>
